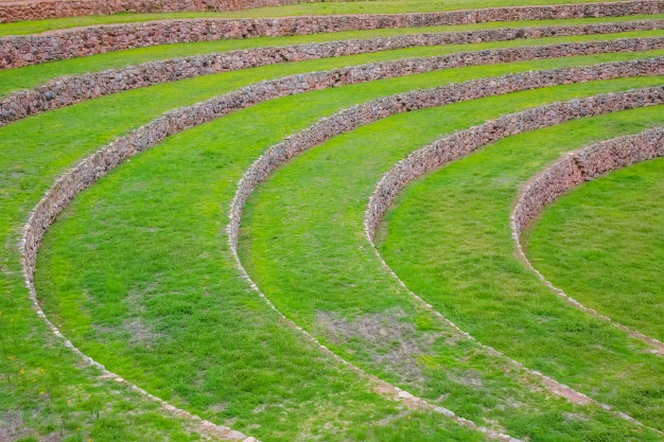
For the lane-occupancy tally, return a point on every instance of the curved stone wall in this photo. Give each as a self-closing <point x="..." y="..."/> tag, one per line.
<point x="96" y="166"/>
<point x="563" y="175"/>
<point x="26" y="50"/>
<point x="463" y="143"/>
<point x="39" y="10"/>
<point x="425" y="160"/>
<point x="71" y="90"/>
<point x="109" y="157"/>
<point x="354" y="117"/>
<point x="584" y="165"/>
<point x="571" y="171"/>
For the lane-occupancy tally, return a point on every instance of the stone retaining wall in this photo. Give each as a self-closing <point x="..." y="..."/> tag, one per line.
<point x="39" y="10"/>
<point x="583" y="165"/>
<point x="109" y="157"/>
<point x="71" y="90"/>
<point x="357" y="116"/>
<point x="569" y="172"/>
<point x="374" y="110"/>
<point x="26" y="50"/>
<point x="99" y="164"/>
<point x="465" y="142"/>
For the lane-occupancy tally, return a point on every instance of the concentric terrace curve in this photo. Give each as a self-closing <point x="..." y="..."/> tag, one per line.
<point x="421" y="162"/>
<point x="13" y="10"/>
<point x="179" y="362"/>
<point x="57" y="45"/>
<point x="69" y="90"/>
<point x="448" y="149"/>
<point x="18" y="10"/>
<point x="571" y="171"/>
<point x="362" y="115"/>
<point x="92" y="172"/>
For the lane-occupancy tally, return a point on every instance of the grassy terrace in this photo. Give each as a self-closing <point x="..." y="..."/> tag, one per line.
<point x="30" y="166"/>
<point x="304" y="247"/>
<point x="138" y="273"/>
<point x="599" y="244"/>
<point x="463" y="263"/>
<point x="31" y="76"/>
<point x="167" y="219"/>
<point x="323" y="8"/>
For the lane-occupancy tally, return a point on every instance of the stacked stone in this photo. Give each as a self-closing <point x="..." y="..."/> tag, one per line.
<point x="429" y="158"/>
<point x="462" y="143"/>
<point x="22" y="10"/>
<point x="584" y="165"/>
<point x="70" y="90"/>
<point x="99" y="164"/>
<point x="20" y="51"/>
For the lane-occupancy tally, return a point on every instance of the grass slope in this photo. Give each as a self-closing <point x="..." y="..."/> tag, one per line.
<point x="603" y="243"/>
<point x="448" y="238"/>
<point x="45" y="391"/>
<point x="155" y="275"/>
<point x="303" y="245"/>
<point x="28" y="167"/>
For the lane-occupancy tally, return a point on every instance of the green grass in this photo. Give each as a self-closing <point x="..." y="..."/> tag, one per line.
<point x="603" y="243"/>
<point x="160" y="300"/>
<point x="448" y="238"/>
<point x="182" y="268"/>
<point x="31" y="76"/>
<point x="59" y="138"/>
<point x="47" y="391"/>
<point x="303" y="245"/>
<point x="29" y="165"/>
<point x="324" y="8"/>
<point x="390" y="7"/>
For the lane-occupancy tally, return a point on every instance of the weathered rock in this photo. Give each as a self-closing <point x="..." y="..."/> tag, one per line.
<point x="567" y="173"/>
<point x="99" y="164"/>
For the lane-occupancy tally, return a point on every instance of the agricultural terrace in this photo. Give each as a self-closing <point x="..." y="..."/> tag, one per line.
<point x="389" y="220"/>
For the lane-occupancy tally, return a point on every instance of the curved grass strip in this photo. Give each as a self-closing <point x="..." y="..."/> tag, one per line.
<point x="514" y="300"/>
<point x="125" y="436"/>
<point x="623" y="209"/>
<point x="47" y="123"/>
<point x="198" y="90"/>
<point x="178" y="120"/>
<point x="330" y="379"/>
<point x="394" y="7"/>
<point x="28" y="50"/>
<point x="570" y="172"/>
<point x="303" y="8"/>
<point x="371" y="112"/>
<point x="140" y="96"/>
<point x="37" y="27"/>
<point x="72" y="90"/>
<point x="36" y="176"/>
<point x="307" y="293"/>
